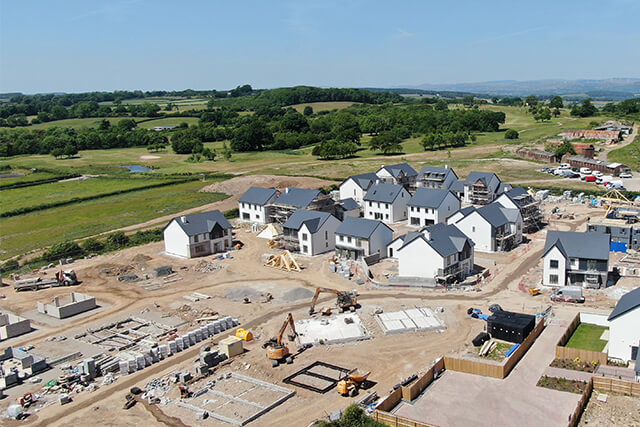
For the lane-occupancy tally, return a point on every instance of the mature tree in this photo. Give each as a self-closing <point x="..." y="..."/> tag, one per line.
<point x="531" y="100"/>
<point x="70" y="150"/>
<point x="209" y="154"/>
<point x="586" y="109"/>
<point x="308" y="110"/>
<point x="104" y="124"/>
<point x="226" y="151"/>
<point x="252" y="136"/>
<point x="556" y="112"/>
<point x="345" y="127"/>
<point x="565" y="148"/>
<point x="293" y="121"/>
<point x="387" y="142"/>
<point x="441" y="105"/>
<point x="57" y="152"/>
<point x="334" y="148"/>
<point x="468" y="101"/>
<point x="511" y="134"/>
<point x="542" y="114"/>
<point x="556" y="102"/>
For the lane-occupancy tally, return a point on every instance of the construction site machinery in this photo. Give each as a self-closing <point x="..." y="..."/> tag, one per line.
<point x="184" y="392"/>
<point x="284" y="261"/>
<point x="344" y="300"/>
<point x="243" y="334"/>
<point x="62" y="278"/>
<point x="350" y="385"/>
<point x="26" y="400"/>
<point x="534" y="291"/>
<point x="277" y="351"/>
<point x="568" y="294"/>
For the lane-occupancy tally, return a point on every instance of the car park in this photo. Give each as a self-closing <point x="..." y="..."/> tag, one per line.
<point x="564" y="166"/>
<point x="597" y="174"/>
<point x="575" y="169"/>
<point x="558" y="172"/>
<point x="574" y="175"/>
<point x="585" y="171"/>
<point x="626" y="175"/>
<point x="589" y="178"/>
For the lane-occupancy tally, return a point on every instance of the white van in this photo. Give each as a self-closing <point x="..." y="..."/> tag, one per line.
<point x="564" y="166"/>
<point x="585" y="171"/>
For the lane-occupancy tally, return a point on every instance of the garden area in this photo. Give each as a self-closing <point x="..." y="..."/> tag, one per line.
<point x="562" y="384"/>
<point x="588" y="337"/>
<point x="575" y="365"/>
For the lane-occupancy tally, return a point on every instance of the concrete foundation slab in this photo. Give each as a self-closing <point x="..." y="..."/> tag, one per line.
<point x="415" y="319"/>
<point x="341" y="328"/>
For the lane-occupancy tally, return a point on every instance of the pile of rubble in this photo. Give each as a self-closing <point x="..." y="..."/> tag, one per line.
<point x="208" y="267"/>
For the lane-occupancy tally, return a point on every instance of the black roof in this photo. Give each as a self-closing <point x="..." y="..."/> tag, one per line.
<point x="202" y="222"/>
<point x="429" y="197"/>
<point x="511" y="319"/>
<point x="385" y="193"/>
<point x="589" y="245"/>
<point x="257" y="195"/>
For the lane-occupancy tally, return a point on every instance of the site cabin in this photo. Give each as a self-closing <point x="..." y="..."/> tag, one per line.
<point x="481" y="188"/>
<point x="624" y="328"/>
<point x="509" y="326"/>
<point x="615" y="126"/>
<point x="356" y="186"/>
<point x="400" y="174"/>
<point x="310" y="232"/>
<point x="430" y="206"/>
<point x="436" y="177"/>
<point x="439" y="252"/>
<point x="252" y="205"/>
<point x="197" y="235"/>
<point x="360" y="237"/>
<point x="576" y="259"/>
<point x="493" y="228"/>
<point x="386" y="203"/>
<point x="519" y="198"/>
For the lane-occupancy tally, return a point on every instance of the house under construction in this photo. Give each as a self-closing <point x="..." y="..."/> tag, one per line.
<point x="482" y="188"/>
<point x="521" y="199"/>
<point x="292" y="199"/>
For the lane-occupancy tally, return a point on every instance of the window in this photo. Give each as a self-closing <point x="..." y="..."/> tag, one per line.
<point x="473" y="229"/>
<point x="553" y="263"/>
<point x="386" y="216"/>
<point x="326" y="234"/>
<point x="304" y="237"/>
<point x="195" y="239"/>
<point x="349" y="239"/>
<point x="326" y="244"/>
<point x="341" y="237"/>
<point x="412" y="209"/>
<point x="386" y="205"/>
<point x="370" y="204"/>
<point x="553" y="279"/>
<point x="305" y="248"/>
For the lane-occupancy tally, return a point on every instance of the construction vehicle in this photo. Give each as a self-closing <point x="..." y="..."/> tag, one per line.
<point x="243" y="334"/>
<point x="350" y="385"/>
<point x="26" y="400"/>
<point x="344" y="300"/>
<point x="567" y="294"/>
<point x="185" y="393"/>
<point x="62" y="278"/>
<point x="534" y="291"/>
<point x="277" y="351"/>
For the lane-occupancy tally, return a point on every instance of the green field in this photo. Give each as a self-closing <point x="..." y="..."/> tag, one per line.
<point x="62" y="191"/>
<point x="35" y="230"/>
<point x="168" y="121"/>
<point x="90" y="122"/>
<point x="322" y="106"/>
<point x="587" y="337"/>
<point x="629" y="155"/>
<point x="28" y="176"/>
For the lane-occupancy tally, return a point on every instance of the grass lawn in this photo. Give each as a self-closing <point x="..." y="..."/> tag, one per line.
<point x="35" y="230"/>
<point x="61" y="191"/>
<point x="90" y="122"/>
<point x="587" y="337"/>
<point x="629" y="155"/>
<point x="28" y="176"/>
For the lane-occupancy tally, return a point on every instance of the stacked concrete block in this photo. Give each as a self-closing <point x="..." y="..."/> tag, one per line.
<point x="193" y="340"/>
<point x="88" y="367"/>
<point x="133" y="365"/>
<point x="154" y="354"/>
<point x="198" y="334"/>
<point x="211" y="328"/>
<point x="140" y="362"/>
<point x="124" y="367"/>
<point x="202" y="369"/>
<point x="164" y="351"/>
<point x="148" y="360"/>
<point x="173" y="347"/>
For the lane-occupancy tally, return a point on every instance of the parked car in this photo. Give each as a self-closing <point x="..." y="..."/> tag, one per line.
<point x="564" y="166"/>
<point x="575" y="169"/>
<point x="544" y="170"/>
<point x="626" y="175"/>
<point x="574" y="175"/>
<point x="597" y="174"/>
<point x="559" y="172"/>
<point x="585" y="171"/>
<point x="590" y="178"/>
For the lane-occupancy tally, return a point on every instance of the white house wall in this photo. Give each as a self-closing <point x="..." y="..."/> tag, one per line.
<point x="176" y="241"/>
<point x="349" y="189"/>
<point x="321" y="241"/>
<point x="392" y="248"/>
<point x="449" y="206"/>
<point x="418" y="259"/>
<point x="624" y="333"/>
<point x="507" y="202"/>
<point x="253" y="213"/>
<point x="554" y="254"/>
<point x="479" y="230"/>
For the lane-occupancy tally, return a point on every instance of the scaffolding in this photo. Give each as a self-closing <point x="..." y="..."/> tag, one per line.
<point x="530" y="211"/>
<point x="479" y="194"/>
<point x="280" y="213"/>
<point x="505" y="240"/>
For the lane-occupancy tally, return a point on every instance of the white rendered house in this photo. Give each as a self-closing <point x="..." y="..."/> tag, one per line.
<point x="624" y="328"/>
<point x="386" y="202"/>
<point x="198" y="234"/>
<point x="356" y="186"/>
<point x="436" y="177"/>
<point x="310" y="232"/>
<point x="493" y="228"/>
<point x="252" y="205"/>
<point x="430" y="206"/>
<point x="360" y="237"/>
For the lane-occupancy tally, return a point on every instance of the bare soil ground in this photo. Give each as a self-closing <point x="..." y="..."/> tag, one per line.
<point x="618" y="410"/>
<point x="390" y="357"/>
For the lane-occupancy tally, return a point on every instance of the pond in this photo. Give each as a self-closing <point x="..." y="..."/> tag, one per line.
<point x="137" y="168"/>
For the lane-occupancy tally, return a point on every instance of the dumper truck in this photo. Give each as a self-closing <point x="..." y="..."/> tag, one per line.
<point x="61" y="278"/>
<point x="568" y="294"/>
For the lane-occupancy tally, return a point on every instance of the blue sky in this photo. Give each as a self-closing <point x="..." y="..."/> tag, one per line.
<point x="76" y="46"/>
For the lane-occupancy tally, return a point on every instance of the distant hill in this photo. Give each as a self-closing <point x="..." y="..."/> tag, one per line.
<point x="608" y="89"/>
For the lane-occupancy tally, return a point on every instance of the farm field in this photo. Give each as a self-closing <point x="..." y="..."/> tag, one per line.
<point x="89" y="122"/>
<point x="23" y="233"/>
<point x="168" y="121"/>
<point x="322" y="106"/>
<point x="63" y="191"/>
<point x="25" y="176"/>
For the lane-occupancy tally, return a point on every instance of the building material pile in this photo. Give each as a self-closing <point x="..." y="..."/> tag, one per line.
<point x="284" y="261"/>
<point x="208" y="267"/>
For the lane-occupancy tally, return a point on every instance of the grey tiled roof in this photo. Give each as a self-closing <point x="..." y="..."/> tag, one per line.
<point x="457" y="186"/>
<point x="359" y="227"/>
<point x="495" y="214"/>
<point x="589" y="245"/>
<point x="385" y="193"/>
<point x="297" y="197"/>
<point x="202" y="222"/>
<point x="349" y="204"/>
<point x="628" y="302"/>
<point x="429" y="197"/>
<point x="395" y="170"/>
<point x="312" y="219"/>
<point x="436" y="172"/>
<point x="489" y="179"/>
<point x="257" y="195"/>
<point x="444" y="239"/>
<point x="364" y="180"/>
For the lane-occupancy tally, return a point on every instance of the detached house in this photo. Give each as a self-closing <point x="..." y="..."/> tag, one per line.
<point x="436" y="177"/>
<point x="292" y="199"/>
<point x="440" y="252"/>
<point x="359" y="237"/>
<point x="400" y="174"/>
<point x="492" y="228"/>
<point x="310" y="232"/>
<point x="356" y="186"/>
<point x="252" y="205"/>
<point x="386" y="202"/>
<point x="580" y="259"/>
<point x="519" y="198"/>
<point x="624" y="329"/>
<point x="430" y="206"/>
<point x="198" y="234"/>
<point x="481" y="188"/>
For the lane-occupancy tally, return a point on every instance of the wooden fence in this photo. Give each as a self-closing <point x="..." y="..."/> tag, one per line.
<point x="575" y="417"/>
<point x="397" y="421"/>
<point x="563" y="352"/>
<point x="494" y="370"/>
<point x="614" y="385"/>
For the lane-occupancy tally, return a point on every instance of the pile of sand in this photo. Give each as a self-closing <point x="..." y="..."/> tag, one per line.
<point x="240" y="184"/>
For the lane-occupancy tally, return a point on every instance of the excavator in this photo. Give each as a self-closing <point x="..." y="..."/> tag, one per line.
<point x="350" y="385"/>
<point x="344" y="301"/>
<point x="277" y="351"/>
